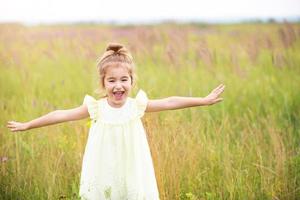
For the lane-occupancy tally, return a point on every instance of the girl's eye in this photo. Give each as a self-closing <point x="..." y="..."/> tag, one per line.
<point x="124" y="80"/>
<point x="111" y="81"/>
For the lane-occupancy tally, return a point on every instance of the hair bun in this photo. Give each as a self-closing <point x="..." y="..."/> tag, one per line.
<point x="114" y="47"/>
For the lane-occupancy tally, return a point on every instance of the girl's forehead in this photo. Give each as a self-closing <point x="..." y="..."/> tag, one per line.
<point x="117" y="71"/>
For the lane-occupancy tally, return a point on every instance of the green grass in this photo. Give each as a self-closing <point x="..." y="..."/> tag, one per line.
<point x="246" y="147"/>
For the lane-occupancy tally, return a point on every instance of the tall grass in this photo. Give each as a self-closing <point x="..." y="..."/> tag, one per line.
<point x="246" y="147"/>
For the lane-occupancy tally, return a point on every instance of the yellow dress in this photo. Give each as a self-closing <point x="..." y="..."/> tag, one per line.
<point x="117" y="163"/>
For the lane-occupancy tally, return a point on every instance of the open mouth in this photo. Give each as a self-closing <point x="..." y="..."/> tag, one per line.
<point x="118" y="95"/>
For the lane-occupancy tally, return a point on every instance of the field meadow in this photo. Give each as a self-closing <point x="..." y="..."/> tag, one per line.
<point x="246" y="147"/>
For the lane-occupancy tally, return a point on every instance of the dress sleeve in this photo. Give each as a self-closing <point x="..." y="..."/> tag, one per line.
<point x="92" y="106"/>
<point x="141" y="102"/>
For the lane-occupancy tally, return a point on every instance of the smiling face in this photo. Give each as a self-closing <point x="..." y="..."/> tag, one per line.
<point x="117" y="84"/>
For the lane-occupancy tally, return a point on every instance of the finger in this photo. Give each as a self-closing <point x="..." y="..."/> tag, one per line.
<point x="10" y="125"/>
<point x="215" y="90"/>
<point x="221" y="89"/>
<point x="14" y="129"/>
<point x="219" y="86"/>
<point x="218" y="100"/>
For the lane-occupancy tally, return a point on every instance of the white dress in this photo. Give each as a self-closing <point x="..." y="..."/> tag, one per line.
<point x="117" y="163"/>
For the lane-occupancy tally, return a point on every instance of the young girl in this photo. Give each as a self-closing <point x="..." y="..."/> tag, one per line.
<point x="117" y="162"/>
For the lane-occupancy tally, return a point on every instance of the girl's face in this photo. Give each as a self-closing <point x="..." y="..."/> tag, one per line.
<point x="117" y="84"/>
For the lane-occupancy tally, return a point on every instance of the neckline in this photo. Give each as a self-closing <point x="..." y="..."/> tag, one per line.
<point x="114" y="108"/>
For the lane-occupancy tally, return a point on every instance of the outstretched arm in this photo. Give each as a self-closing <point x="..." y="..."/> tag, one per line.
<point x="171" y="103"/>
<point x="54" y="117"/>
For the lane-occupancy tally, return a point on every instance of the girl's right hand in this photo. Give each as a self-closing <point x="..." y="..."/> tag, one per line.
<point x="17" y="126"/>
<point x="214" y="96"/>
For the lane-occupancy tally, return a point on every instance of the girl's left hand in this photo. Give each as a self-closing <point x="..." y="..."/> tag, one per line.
<point x="213" y="97"/>
<point x="17" y="126"/>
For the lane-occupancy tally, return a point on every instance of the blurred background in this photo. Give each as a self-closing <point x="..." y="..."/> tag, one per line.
<point x="141" y="12"/>
<point x="246" y="147"/>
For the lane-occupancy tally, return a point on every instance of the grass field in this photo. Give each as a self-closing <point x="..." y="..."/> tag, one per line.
<point x="246" y="147"/>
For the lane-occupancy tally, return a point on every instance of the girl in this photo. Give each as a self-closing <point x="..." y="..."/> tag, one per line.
<point x="117" y="162"/>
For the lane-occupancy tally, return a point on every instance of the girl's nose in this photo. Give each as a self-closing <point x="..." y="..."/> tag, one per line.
<point x="118" y="84"/>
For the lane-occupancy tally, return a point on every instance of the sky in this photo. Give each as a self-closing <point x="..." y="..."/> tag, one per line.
<point x="143" y="11"/>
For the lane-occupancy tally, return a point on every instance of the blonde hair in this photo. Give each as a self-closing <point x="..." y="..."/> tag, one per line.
<point x="115" y="55"/>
